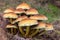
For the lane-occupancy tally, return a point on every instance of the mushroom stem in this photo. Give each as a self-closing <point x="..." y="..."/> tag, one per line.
<point x="12" y="30"/>
<point x="27" y="31"/>
<point x="33" y="34"/>
<point x="22" y="32"/>
<point x="42" y="33"/>
<point x="10" y="20"/>
<point x="32" y="31"/>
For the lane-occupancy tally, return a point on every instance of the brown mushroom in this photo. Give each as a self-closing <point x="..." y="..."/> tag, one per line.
<point x="32" y="11"/>
<point x="41" y="25"/>
<point x="8" y="10"/>
<point x="28" y="23"/>
<point x="20" y="19"/>
<point x="10" y="16"/>
<point x="23" y="6"/>
<point x="19" y="11"/>
<point x="38" y="17"/>
<point x="13" y="28"/>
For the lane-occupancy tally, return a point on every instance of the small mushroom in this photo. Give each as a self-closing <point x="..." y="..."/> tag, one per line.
<point x="9" y="10"/>
<point x="19" y="11"/>
<point x="24" y="6"/>
<point x="13" y="28"/>
<point x="28" y="23"/>
<point x="41" y="25"/>
<point x="10" y="16"/>
<point x="20" y="19"/>
<point x="49" y="27"/>
<point x="38" y="17"/>
<point x="31" y="11"/>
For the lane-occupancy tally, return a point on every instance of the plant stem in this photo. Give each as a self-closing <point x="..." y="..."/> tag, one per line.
<point x="33" y="34"/>
<point x="27" y="31"/>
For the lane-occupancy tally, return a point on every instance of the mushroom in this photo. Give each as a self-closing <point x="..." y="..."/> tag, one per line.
<point x="31" y="11"/>
<point x="13" y="28"/>
<point x="24" y="6"/>
<point x="41" y="25"/>
<point x="20" y="19"/>
<point x="49" y="27"/>
<point x="38" y="17"/>
<point x="28" y="23"/>
<point x="8" y="10"/>
<point x="10" y="16"/>
<point x="19" y="11"/>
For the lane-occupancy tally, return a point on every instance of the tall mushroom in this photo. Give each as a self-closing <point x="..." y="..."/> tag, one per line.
<point x="40" y="18"/>
<point x="18" y="20"/>
<point x="13" y="28"/>
<point x="40" y="26"/>
<point x="10" y="16"/>
<point x="24" y="6"/>
<point x="28" y="23"/>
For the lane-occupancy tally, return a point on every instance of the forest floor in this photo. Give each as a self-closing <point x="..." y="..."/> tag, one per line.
<point x="13" y="3"/>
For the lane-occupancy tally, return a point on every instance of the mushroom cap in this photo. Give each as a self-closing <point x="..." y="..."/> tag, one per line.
<point x="32" y="11"/>
<point x="20" y="19"/>
<point x="28" y="22"/>
<point x="11" y="26"/>
<point x="10" y="15"/>
<point x="41" y="25"/>
<point x="23" y="6"/>
<point x="9" y="10"/>
<point x="49" y="27"/>
<point x="39" y="17"/>
<point x="19" y="11"/>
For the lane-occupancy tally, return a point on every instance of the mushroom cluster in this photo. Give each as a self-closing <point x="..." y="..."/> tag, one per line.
<point x="26" y="20"/>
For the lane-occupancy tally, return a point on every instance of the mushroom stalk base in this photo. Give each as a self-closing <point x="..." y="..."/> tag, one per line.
<point x="27" y="31"/>
<point x="33" y="34"/>
<point x="22" y="32"/>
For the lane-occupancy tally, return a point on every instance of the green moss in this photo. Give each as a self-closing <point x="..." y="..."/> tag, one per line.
<point x="53" y="12"/>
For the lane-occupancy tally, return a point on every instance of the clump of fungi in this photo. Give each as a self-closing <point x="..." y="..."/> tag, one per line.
<point x="26" y="20"/>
